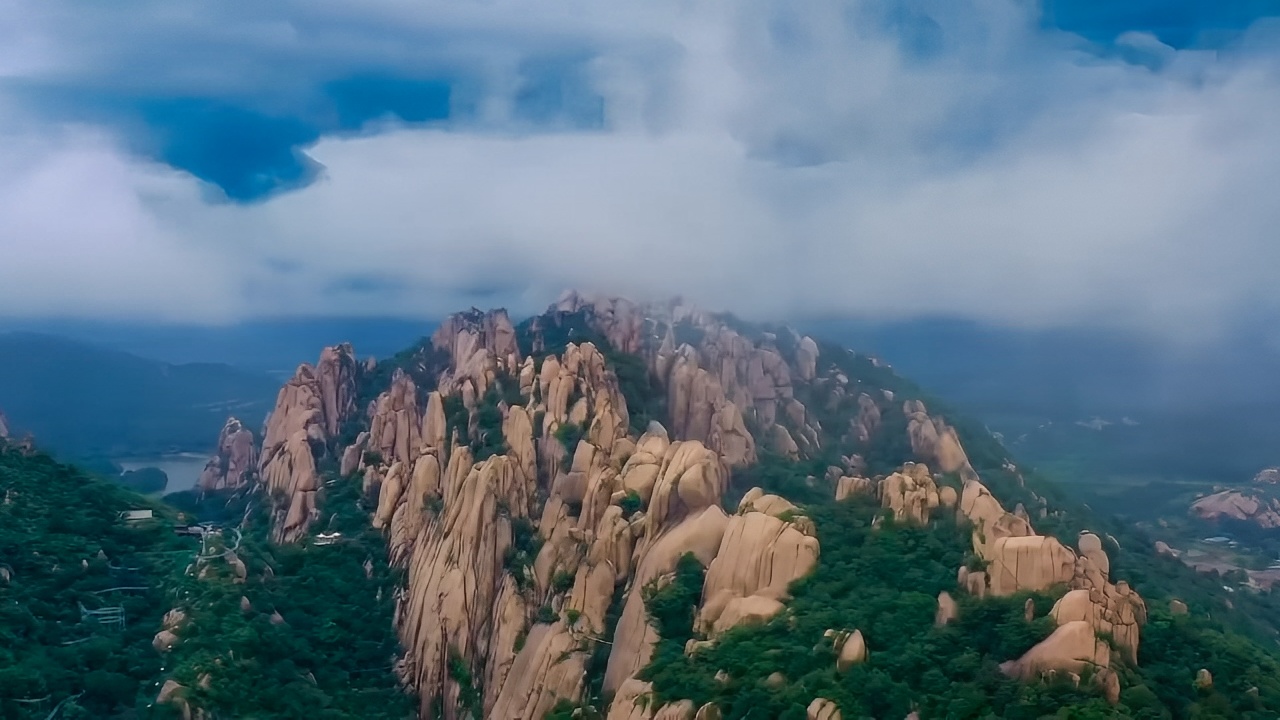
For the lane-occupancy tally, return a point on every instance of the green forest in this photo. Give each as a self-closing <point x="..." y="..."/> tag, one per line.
<point x="885" y="583"/>
<point x="316" y="639"/>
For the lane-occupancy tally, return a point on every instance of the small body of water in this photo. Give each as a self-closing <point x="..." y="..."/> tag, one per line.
<point x="183" y="469"/>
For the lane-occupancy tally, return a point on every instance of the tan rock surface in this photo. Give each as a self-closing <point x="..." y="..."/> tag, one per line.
<point x="633" y="701"/>
<point x="759" y="556"/>
<point x="164" y="641"/>
<point x="710" y="711"/>
<point x="851" y="650"/>
<point x="552" y="656"/>
<point x="823" y="709"/>
<point x="1073" y="647"/>
<point x="478" y="343"/>
<point x="353" y="456"/>
<point x="1239" y="505"/>
<point x="867" y="422"/>
<point x="910" y="493"/>
<point x="757" y="500"/>
<point x="1034" y="562"/>
<point x="1114" y="610"/>
<point x="311" y="407"/>
<point x="175" y="694"/>
<point x="659" y="551"/>
<point x="458" y="594"/>
<point x="935" y="442"/>
<point x="395" y="428"/>
<point x="234" y="462"/>
<point x="948" y="609"/>
<point x="991" y="522"/>
<point x="807" y="358"/>
<point x="849" y="486"/>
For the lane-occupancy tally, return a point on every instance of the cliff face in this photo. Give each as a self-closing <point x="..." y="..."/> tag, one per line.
<point x="4" y="426"/>
<point x="530" y="518"/>
<point x="235" y="461"/>
<point x="310" y="409"/>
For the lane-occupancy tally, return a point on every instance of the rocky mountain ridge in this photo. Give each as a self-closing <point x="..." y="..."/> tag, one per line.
<point x="539" y="483"/>
<point x="1257" y="503"/>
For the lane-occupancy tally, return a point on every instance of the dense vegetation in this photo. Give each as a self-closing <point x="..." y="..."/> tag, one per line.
<point x="145" y="480"/>
<point x="86" y="401"/>
<point x="317" y="640"/>
<point x="885" y="582"/>
<point x="63" y="545"/>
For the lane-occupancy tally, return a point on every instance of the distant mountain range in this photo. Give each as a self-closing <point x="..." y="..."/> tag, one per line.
<point x="273" y="346"/>
<point x="1204" y="410"/>
<point x="83" y="400"/>
<point x="1207" y="410"/>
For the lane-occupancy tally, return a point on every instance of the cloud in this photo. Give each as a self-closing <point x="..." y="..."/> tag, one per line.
<point x="869" y="157"/>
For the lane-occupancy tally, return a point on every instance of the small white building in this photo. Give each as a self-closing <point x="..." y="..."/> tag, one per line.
<point x="136" y="515"/>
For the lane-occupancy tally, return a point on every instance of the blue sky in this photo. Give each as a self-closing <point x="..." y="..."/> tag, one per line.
<point x="1098" y="161"/>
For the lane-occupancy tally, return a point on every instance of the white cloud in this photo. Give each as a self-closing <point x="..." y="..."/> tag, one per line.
<point x="766" y="157"/>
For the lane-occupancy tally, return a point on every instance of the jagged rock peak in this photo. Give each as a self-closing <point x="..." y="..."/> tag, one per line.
<point x="311" y="408"/>
<point x="718" y="380"/>
<point x="233" y="462"/>
<point x="462" y="334"/>
<point x="4" y="426"/>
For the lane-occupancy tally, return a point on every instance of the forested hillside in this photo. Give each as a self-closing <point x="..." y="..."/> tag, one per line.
<point x="262" y="618"/>
<point x="84" y="401"/>
<point x="65" y="550"/>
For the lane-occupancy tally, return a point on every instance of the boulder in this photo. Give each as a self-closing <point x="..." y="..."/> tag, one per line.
<point x="849" y="486"/>
<point x="823" y="709"/>
<point x="948" y="610"/>
<point x="852" y="651"/>
<point x="758" y="558"/>
<point x="1073" y="647"/>
<point x="911" y="493"/>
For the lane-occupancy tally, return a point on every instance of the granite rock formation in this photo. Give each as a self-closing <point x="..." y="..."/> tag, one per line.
<point x="1258" y="503"/>
<point x="310" y="410"/>
<point x="235" y="461"/>
<point x="514" y="556"/>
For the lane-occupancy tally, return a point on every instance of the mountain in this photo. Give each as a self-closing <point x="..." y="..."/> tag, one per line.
<point x="1113" y="414"/>
<point x="642" y="511"/>
<point x="269" y="345"/>
<point x="84" y="400"/>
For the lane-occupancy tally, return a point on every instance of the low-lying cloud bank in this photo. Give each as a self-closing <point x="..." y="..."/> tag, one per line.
<point x="866" y="157"/>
